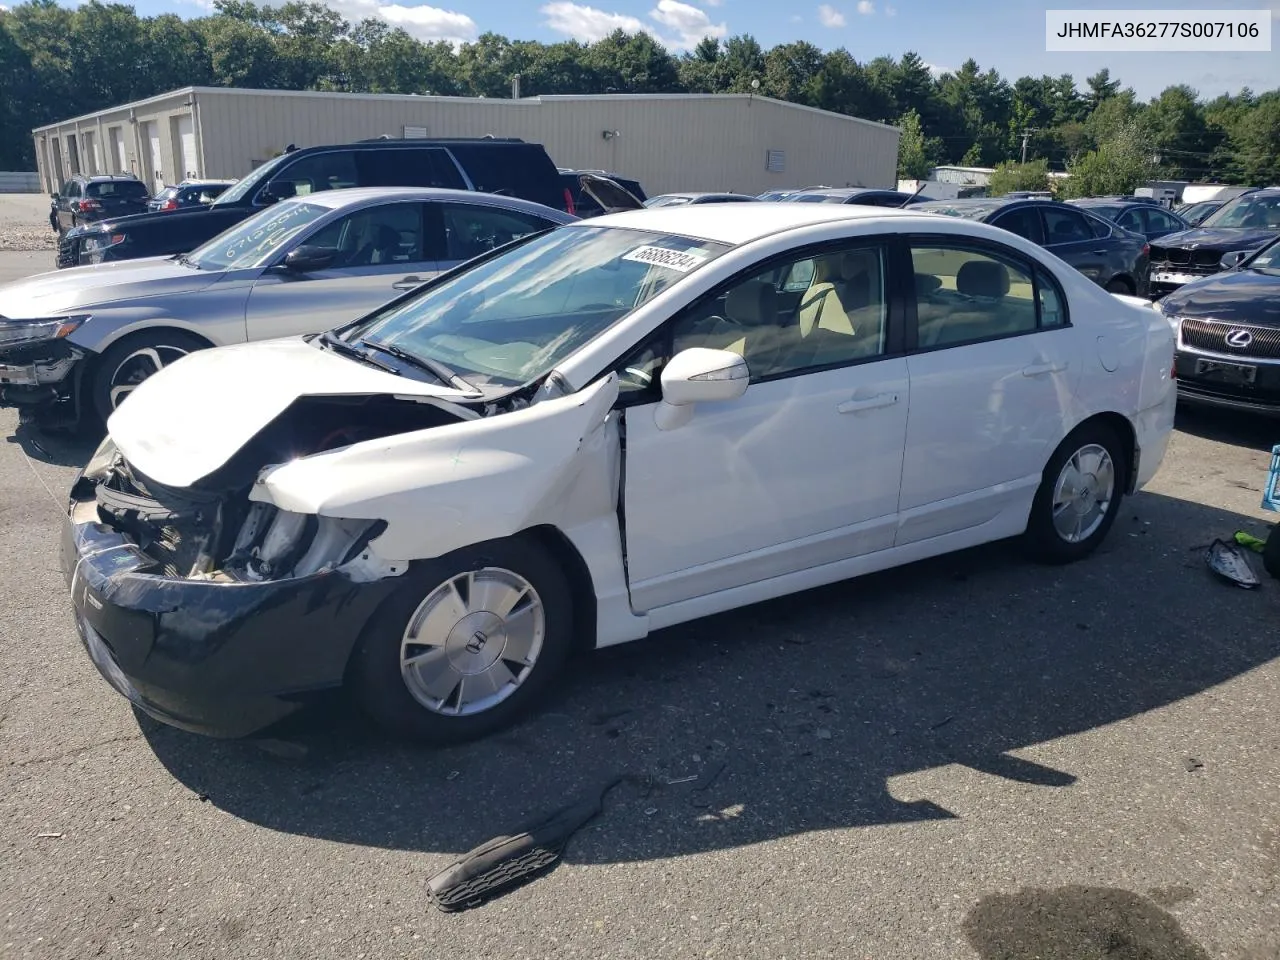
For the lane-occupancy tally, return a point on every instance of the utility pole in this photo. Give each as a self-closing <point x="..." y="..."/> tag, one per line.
<point x="1026" y="135"/>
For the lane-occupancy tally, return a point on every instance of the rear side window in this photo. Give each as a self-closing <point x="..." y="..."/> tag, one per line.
<point x="471" y="229"/>
<point x="515" y="170"/>
<point x="1025" y="222"/>
<point x="408" y="168"/>
<point x="964" y="295"/>
<point x="1066" y="226"/>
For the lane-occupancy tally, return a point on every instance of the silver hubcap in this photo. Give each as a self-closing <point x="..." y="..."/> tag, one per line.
<point x="139" y="365"/>
<point x="1082" y="496"/>
<point x="472" y="642"/>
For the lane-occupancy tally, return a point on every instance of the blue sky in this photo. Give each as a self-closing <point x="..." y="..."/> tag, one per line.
<point x="1005" y="34"/>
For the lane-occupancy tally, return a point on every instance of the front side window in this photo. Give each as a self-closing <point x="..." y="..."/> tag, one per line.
<point x="780" y="324"/>
<point x="390" y="233"/>
<point x="471" y="229"/>
<point x="514" y="317"/>
<point x="965" y="294"/>
<point x="315" y="173"/>
<point x="256" y="240"/>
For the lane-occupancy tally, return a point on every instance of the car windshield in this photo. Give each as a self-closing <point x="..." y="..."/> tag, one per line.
<point x="243" y="187"/>
<point x="254" y="241"/>
<point x="513" y="318"/>
<point x="1260" y="210"/>
<point x="666" y="201"/>
<point x="1268" y="261"/>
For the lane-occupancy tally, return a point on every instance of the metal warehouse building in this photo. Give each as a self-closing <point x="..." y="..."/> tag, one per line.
<point x="669" y="142"/>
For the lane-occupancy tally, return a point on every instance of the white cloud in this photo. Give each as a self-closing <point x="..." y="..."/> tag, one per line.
<point x="866" y="7"/>
<point x="713" y="3"/>
<point x="938" y="71"/>
<point x="587" y="23"/>
<point x="890" y="11"/>
<point x="690" y="24"/>
<point x="830" y="17"/>
<point x="423" y="22"/>
<point x="684" y="26"/>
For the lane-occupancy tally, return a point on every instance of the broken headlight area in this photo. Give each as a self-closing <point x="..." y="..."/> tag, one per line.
<point x="36" y="367"/>
<point x="193" y="534"/>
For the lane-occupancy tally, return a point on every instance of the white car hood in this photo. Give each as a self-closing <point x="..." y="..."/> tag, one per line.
<point x="190" y="418"/>
<point x="60" y="291"/>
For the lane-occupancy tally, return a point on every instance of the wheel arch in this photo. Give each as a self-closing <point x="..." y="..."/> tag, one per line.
<point x="578" y="574"/>
<point x="1122" y="427"/>
<point x="148" y="328"/>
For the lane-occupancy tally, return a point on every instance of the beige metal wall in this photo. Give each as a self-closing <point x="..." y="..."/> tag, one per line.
<point x="668" y="143"/>
<point x="128" y="123"/>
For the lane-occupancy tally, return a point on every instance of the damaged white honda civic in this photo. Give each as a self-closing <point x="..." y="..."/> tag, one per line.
<point x="592" y="433"/>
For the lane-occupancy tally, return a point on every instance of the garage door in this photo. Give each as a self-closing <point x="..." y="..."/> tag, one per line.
<point x="117" y="149"/>
<point x="187" y="139"/>
<point x="151" y="136"/>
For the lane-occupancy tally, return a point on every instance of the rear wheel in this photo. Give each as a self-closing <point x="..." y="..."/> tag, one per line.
<point x="1120" y="285"/>
<point x="1079" y="496"/>
<point x="469" y="643"/>
<point x="126" y="364"/>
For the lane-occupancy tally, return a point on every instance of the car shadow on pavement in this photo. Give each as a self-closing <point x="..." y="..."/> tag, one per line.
<point x="60" y="448"/>
<point x="1254" y="431"/>
<point x="789" y="716"/>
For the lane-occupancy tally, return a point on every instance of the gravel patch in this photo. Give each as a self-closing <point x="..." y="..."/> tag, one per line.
<point x="24" y="222"/>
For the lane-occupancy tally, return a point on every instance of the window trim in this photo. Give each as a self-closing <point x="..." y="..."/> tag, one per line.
<point x="1031" y="266"/>
<point x="895" y="315"/>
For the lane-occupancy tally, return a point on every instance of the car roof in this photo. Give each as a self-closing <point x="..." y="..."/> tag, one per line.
<point x="736" y="224"/>
<point x="355" y="196"/>
<point x="104" y="177"/>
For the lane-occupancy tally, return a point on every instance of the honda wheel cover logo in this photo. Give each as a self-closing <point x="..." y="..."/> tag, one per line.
<point x="1239" y="338"/>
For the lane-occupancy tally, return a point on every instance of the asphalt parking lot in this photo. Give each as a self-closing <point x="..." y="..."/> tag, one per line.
<point x="970" y="758"/>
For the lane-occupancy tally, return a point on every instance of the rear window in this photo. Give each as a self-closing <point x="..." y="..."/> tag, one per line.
<point x="116" y="188"/>
<point x="408" y="168"/>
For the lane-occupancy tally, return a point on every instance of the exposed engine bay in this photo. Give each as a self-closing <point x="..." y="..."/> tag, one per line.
<point x="212" y="531"/>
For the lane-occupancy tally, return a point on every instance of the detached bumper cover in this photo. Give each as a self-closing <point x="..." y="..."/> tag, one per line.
<point x="221" y="659"/>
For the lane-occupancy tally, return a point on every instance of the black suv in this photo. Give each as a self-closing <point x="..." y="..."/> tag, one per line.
<point x="489" y="165"/>
<point x="90" y="199"/>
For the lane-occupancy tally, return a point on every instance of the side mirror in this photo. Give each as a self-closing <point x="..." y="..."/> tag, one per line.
<point x="699" y="375"/>
<point x="277" y="190"/>
<point x="305" y="259"/>
<point x="1233" y="259"/>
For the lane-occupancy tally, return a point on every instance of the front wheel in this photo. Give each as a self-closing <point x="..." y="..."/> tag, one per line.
<point x="126" y="364"/>
<point x="467" y="644"/>
<point x="1079" y="496"/>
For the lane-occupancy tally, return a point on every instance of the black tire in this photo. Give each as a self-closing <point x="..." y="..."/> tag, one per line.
<point x="1120" y="285"/>
<point x="375" y="676"/>
<point x="1042" y="540"/>
<point x="168" y="344"/>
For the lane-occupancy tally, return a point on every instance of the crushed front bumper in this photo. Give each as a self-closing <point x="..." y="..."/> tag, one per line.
<point x="40" y="374"/>
<point x="215" y="658"/>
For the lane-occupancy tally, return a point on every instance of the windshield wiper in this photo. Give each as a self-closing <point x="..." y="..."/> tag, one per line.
<point x="338" y="345"/>
<point x="434" y="367"/>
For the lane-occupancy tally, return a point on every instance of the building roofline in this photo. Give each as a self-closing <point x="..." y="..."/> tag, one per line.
<point x="523" y="101"/>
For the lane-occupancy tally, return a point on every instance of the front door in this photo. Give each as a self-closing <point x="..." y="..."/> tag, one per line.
<point x="380" y="253"/>
<point x="803" y="469"/>
<point x="992" y="386"/>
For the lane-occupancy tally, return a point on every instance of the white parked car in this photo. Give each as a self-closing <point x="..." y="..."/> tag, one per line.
<point x="594" y="433"/>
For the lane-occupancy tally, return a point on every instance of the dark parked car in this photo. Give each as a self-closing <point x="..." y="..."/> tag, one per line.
<point x="1229" y="334"/>
<point x="865" y="196"/>
<point x="580" y="203"/>
<point x="188" y="194"/>
<point x="91" y="199"/>
<point x="1137" y="215"/>
<point x="488" y="165"/>
<point x="1110" y="256"/>
<point x="1196" y="213"/>
<point x="1244" y="224"/>
<point x="680" y="199"/>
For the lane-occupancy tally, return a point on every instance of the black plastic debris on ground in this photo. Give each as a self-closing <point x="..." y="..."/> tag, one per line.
<point x="504" y="863"/>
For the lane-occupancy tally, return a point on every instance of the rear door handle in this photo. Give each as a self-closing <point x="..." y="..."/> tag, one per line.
<point x="870" y="403"/>
<point x="408" y="283"/>
<point x="1040" y="369"/>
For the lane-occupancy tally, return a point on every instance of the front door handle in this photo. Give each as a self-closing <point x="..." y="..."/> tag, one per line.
<point x="1040" y="369"/>
<point x="1099" y="252"/>
<point x="408" y="283"/>
<point x="870" y="403"/>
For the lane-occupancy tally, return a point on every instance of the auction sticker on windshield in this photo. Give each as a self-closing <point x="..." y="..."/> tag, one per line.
<point x="677" y="260"/>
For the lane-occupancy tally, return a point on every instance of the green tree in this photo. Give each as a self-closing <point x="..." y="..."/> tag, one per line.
<point x="1009" y="176"/>
<point x="917" y="155"/>
<point x="1116" y="167"/>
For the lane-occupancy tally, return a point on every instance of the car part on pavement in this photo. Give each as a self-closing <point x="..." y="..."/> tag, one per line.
<point x="1230" y="562"/>
<point x="504" y="863"/>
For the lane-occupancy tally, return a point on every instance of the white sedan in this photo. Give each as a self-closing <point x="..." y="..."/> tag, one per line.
<point x="593" y="433"/>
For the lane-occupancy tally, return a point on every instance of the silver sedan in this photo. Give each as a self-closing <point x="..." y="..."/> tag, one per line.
<point x="75" y="343"/>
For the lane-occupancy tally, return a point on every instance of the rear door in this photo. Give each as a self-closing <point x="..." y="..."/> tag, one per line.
<point x="381" y="251"/>
<point x="1069" y="235"/>
<point x="68" y="197"/>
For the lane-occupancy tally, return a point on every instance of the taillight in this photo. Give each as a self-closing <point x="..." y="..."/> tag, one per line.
<point x="1146" y="249"/>
<point x="568" y="203"/>
<point x="170" y="204"/>
<point x="84" y="206"/>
